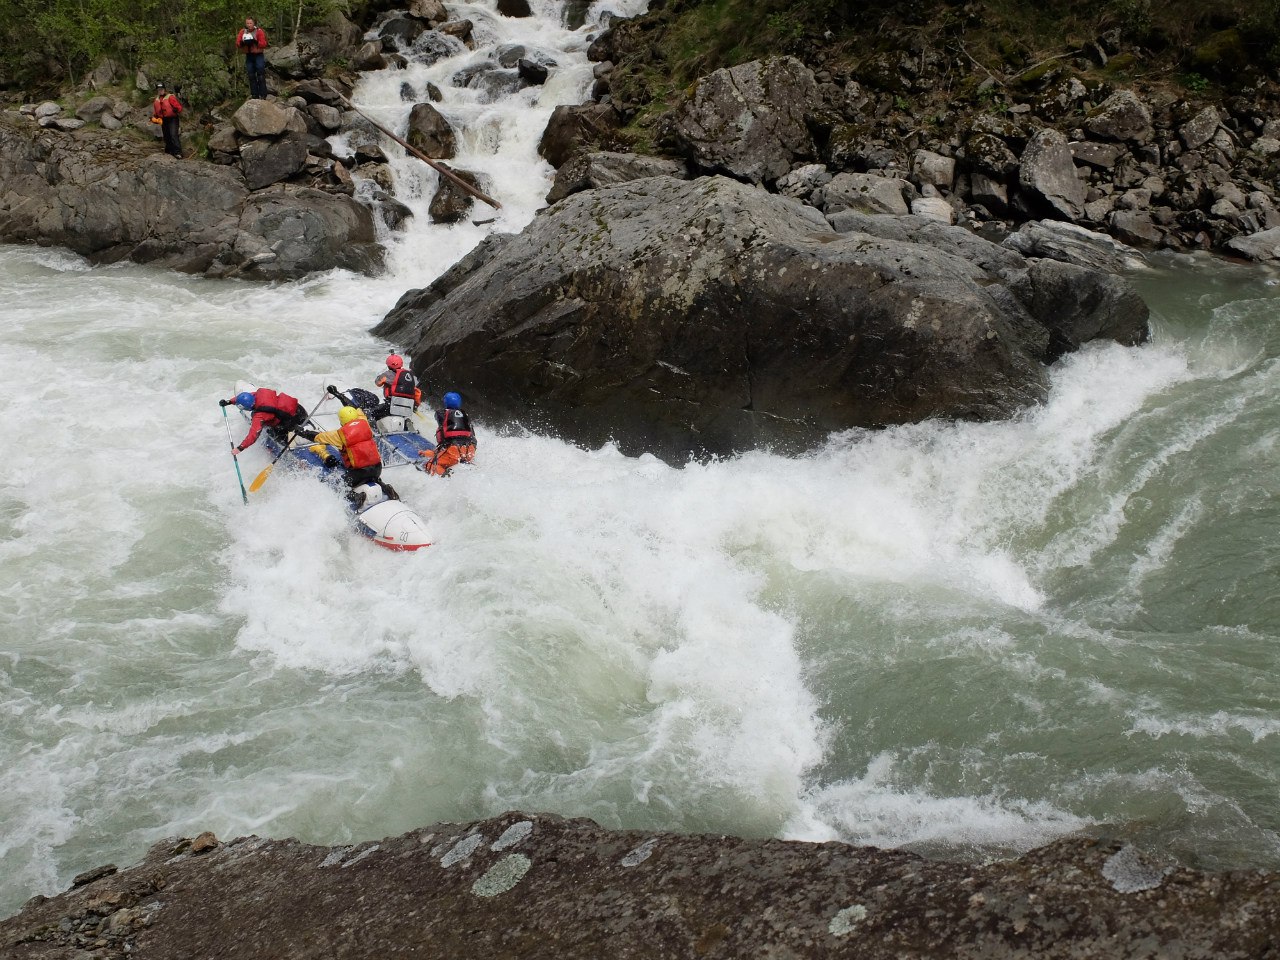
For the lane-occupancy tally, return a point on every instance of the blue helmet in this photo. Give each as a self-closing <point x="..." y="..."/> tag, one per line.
<point x="452" y="401"/>
<point x="244" y="401"/>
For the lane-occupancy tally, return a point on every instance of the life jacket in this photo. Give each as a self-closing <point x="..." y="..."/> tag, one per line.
<point x="401" y="392"/>
<point x="256" y="42"/>
<point x="455" y="427"/>
<point x="166" y="106"/>
<point x="279" y="405"/>
<point x="359" y="449"/>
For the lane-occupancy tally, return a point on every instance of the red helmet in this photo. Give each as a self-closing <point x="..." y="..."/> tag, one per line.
<point x="395" y="361"/>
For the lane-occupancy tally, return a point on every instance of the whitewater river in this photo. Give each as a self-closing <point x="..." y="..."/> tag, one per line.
<point x="963" y="639"/>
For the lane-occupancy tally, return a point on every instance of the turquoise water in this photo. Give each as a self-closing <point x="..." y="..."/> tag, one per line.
<point x="962" y="639"/>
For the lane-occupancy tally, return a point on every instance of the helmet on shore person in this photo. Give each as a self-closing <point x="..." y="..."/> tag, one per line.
<point x="348" y="414"/>
<point x="395" y="362"/>
<point x="452" y="401"/>
<point x="244" y="400"/>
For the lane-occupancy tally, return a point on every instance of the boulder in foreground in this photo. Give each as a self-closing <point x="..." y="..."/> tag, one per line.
<point x="538" y="886"/>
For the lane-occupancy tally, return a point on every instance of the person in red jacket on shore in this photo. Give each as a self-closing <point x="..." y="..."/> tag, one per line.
<point x="167" y="109"/>
<point x="252" y="41"/>
<point x="280" y="413"/>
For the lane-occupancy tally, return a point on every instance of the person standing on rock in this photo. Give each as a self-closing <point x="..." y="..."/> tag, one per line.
<point x="252" y="41"/>
<point x="455" y="439"/>
<point x="167" y="109"/>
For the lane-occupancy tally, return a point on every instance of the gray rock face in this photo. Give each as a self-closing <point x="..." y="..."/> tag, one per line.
<point x="539" y="887"/>
<point x="864" y="193"/>
<point x="98" y="196"/>
<point x="1264" y="245"/>
<point x="709" y="316"/>
<point x="933" y="168"/>
<point x="1079" y="304"/>
<point x="1049" y="172"/>
<point x="1073" y="244"/>
<point x="1200" y="129"/>
<point x="1122" y="116"/>
<point x="260" y="118"/>
<point x="573" y="129"/>
<point x="265" y="162"/>
<point x="749" y="121"/>
<point x="587" y="171"/>
<point x="430" y="132"/>
<point x="93" y="108"/>
<point x="451" y="203"/>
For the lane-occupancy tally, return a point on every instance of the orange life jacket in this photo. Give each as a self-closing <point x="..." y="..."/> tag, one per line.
<point x="359" y="449"/>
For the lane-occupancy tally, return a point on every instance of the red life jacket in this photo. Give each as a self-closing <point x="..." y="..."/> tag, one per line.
<point x="402" y="384"/>
<point x="455" y="427"/>
<point x="166" y="106"/>
<point x="279" y="405"/>
<point x="360" y="449"/>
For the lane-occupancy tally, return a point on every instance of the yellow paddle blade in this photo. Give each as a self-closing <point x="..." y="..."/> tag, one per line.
<point x="261" y="478"/>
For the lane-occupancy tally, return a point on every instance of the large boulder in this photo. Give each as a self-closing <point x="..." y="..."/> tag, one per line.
<point x="1122" y="116"/>
<point x="709" y="316"/>
<point x="1048" y="173"/>
<point x="586" y="171"/>
<point x="265" y="162"/>
<point x="750" y="121"/>
<point x="430" y="132"/>
<point x="863" y="192"/>
<point x="261" y="118"/>
<point x="1072" y="243"/>
<point x="110" y="198"/>
<point x="574" y="128"/>
<point x="451" y="203"/>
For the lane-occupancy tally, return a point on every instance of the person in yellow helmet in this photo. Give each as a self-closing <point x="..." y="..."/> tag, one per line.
<point x="358" y="449"/>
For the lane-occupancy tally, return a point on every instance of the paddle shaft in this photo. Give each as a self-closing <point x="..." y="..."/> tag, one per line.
<point x="261" y="478"/>
<point x="244" y="494"/>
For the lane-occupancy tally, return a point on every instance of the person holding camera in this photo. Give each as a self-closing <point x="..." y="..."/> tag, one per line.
<point x="165" y="111"/>
<point x="252" y="41"/>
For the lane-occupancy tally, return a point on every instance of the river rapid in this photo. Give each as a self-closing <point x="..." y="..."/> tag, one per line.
<point x="961" y="639"/>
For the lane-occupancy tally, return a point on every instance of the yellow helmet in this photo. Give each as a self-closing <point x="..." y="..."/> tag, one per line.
<point x="347" y="414"/>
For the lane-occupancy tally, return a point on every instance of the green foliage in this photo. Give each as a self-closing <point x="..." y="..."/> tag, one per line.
<point x="1134" y="17"/>
<point x="172" y="40"/>
<point x="1262" y="27"/>
<point x="1194" y="82"/>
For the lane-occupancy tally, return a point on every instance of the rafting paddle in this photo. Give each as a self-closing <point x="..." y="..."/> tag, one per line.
<point x="234" y="458"/>
<point x="261" y="478"/>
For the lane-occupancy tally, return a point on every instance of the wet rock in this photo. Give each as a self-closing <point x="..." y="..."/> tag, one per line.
<point x="89" y="876"/>
<point x="401" y="32"/>
<point x="707" y="316"/>
<point x="369" y="56"/>
<point x="587" y="171"/>
<point x="514" y="8"/>
<point x="431" y="133"/>
<point x="571" y="890"/>
<point x="532" y="73"/>
<point x="451" y="203"/>
<point x="749" y="121"/>
<point x="574" y="129"/>
<point x="1049" y="172"/>
<point x="387" y="208"/>
<point x="331" y="93"/>
<point x="204" y="842"/>
<point x="1079" y="304"/>
<point x="458" y="29"/>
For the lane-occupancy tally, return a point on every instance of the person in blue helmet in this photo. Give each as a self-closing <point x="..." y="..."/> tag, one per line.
<point x="455" y="439"/>
<point x="279" y="413"/>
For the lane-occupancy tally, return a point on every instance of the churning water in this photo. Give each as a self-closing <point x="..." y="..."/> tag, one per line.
<point x="965" y="639"/>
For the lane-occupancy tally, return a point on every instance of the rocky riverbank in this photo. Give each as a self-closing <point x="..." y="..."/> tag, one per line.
<point x="532" y="886"/>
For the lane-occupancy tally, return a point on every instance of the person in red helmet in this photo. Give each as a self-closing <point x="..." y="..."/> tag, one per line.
<point x="400" y="392"/>
<point x="455" y="439"/>
<point x="280" y="413"/>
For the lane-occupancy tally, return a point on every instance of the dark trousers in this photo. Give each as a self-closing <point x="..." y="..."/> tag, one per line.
<point x="255" y="65"/>
<point x="172" y="139"/>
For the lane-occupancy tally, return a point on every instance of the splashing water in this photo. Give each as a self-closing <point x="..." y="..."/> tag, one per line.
<point x="966" y="639"/>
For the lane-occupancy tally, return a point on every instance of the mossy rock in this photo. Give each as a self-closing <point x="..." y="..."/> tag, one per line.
<point x="1223" y="54"/>
<point x="1039" y="76"/>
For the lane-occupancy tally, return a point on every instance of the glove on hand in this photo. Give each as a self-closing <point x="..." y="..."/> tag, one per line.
<point x="225" y="403"/>
<point x="306" y="434"/>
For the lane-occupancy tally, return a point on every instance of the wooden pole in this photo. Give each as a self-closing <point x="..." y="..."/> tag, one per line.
<point x="439" y="168"/>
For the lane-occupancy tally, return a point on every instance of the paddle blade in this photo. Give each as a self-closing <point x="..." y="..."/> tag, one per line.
<point x="261" y="478"/>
